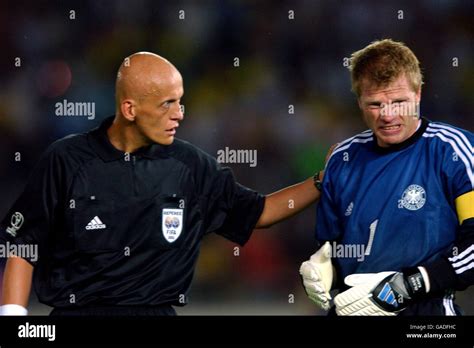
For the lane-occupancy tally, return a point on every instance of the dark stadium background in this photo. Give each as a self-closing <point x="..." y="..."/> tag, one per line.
<point x="282" y="62"/>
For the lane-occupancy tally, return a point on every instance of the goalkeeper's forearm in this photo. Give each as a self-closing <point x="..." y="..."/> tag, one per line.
<point x="454" y="269"/>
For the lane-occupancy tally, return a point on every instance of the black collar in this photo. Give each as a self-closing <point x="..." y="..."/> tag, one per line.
<point x="404" y="144"/>
<point x="99" y="141"/>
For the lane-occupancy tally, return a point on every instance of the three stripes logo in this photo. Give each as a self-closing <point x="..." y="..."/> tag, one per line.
<point x="464" y="261"/>
<point x="387" y="295"/>
<point x="95" y="224"/>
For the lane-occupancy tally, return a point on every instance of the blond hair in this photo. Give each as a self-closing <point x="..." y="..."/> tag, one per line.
<point x="382" y="62"/>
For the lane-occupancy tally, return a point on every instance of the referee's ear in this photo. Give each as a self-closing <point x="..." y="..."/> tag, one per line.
<point x="127" y="107"/>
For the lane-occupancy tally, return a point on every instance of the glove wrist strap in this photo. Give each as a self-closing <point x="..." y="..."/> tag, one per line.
<point x="415" y="282"/>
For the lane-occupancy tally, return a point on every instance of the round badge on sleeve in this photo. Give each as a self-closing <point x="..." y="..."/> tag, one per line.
<point x="17" y="220"/>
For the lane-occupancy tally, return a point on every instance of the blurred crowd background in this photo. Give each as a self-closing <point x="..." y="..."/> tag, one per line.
<point x="71" y="50"/>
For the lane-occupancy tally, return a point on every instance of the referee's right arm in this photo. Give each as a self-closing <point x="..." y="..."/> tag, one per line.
<point x="16" y="286"/>
<point x="27" y="227"/>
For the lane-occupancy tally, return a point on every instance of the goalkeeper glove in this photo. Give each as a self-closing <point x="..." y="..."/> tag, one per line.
<point x="317" y="276"/>
<point x="385" y="293"/>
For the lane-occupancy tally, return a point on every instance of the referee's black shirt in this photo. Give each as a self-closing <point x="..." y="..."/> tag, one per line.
<point x="124" y="229"/>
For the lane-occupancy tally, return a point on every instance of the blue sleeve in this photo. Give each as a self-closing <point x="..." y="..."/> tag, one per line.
<point x="458" y="163"/>
<point x="455" y="268"/>
<point x="328" y="225"/>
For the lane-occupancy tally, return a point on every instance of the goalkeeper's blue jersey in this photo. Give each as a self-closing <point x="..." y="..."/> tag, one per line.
<point x="384" y="209"/>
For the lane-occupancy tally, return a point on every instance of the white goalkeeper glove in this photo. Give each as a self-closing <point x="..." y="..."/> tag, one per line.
<point x="12" y="309"/>
<point x="317" y="276"/>
<point x="385" y="293"/>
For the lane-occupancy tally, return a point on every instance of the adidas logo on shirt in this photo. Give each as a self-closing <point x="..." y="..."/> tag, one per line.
<point x="349" y="209"/>
<point x="95" y="224"/>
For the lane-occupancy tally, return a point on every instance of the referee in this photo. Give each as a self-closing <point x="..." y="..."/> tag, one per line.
<point x="118" y="213"/>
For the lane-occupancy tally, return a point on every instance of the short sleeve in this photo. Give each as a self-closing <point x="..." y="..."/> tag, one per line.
<point x="231" y="209"/>
<point x="27" y="225"/>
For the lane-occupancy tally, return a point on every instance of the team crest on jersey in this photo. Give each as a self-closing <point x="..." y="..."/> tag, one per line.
<point x="413" y="198"/>
<point x="172" y="224"/>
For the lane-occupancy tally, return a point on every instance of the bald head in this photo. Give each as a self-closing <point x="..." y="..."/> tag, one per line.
<point x="143" y="74"/>
<point x="148" y="96"/>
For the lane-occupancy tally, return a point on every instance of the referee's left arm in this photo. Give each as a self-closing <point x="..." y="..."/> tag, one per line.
<point x="287" y="202"/>
<point x="291" y="200"/>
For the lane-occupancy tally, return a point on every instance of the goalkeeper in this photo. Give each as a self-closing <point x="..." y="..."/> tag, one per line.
<point x="404" y="191"/>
